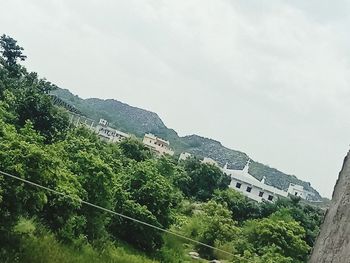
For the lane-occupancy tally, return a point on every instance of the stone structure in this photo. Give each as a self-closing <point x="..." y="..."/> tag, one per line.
<point x="333" y="242"/>
<point x="103" y="122"/>
<point x="251" y="187"/>
<point x="208" y="160"/>
<point x="80" y="120"/>
<point x="157" y="145"/>
<point x="109" y="134"/>
<point x="184" y="156"/>
<point x="298" y="190"/>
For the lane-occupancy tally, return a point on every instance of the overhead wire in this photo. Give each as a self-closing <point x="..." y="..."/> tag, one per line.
<point x="115" y="213"/>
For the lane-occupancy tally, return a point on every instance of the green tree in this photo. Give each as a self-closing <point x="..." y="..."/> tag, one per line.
<point x="240" y="206"/>
<point x="309" y="217"/>
<point x="279" y="233"/>
<point x="146" y="195"/>
<point x="270" y="256"/>
<point x="24" y="154"/>
<point x="38" y="108"/>
<point x="149" y="188"/>
<point x="134" y="149"/>
<point x="212" y="225"/>
<point x="205" y="178"/>
<point x="96" y="177"/>
<point x="176" y="174"/>
<point x="142" y="237"/>
<point x="30" y="100"/>
<point x="10" y="52"/>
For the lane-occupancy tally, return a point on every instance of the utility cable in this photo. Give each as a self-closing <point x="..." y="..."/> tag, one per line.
<point x="113" y="212"/>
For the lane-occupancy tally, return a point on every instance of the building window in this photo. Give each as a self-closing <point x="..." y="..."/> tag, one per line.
<point x="238" y="185"/>
<point x="270" y="198"/>
<point x="261" y="193"/>
<point x="249" y="189"/>
<point x="296" y="194"/>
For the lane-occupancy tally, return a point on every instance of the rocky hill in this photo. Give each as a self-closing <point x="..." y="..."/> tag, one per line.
<point x="138" y="121"/>
<point x="333" y="244"/>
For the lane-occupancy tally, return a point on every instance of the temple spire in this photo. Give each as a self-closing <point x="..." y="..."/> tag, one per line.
<point x="246" y="167"/>
<point x="225" y="167"/>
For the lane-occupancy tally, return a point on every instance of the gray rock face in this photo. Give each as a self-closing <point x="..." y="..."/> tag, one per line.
<point x="333" y="242"/>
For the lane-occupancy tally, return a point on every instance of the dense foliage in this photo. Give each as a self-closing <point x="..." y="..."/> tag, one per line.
<point x="188" y="197"/>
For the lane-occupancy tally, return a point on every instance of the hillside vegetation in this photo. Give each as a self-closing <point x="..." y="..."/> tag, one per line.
<point x="138" y="121"/>
<point x="189" y="197"/>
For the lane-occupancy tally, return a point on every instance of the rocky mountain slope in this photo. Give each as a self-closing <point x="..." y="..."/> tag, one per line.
<point x="138" y="121"/>
<point x="333" y="244"/>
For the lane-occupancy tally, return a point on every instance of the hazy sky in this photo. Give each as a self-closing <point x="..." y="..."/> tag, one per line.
<point x="270" y="78"/>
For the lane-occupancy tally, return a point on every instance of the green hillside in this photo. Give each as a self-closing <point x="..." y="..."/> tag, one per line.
<point x="138" y="121"/>
<point x="66" y="196"/>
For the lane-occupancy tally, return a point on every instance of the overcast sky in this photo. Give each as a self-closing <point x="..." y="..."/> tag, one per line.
<point x="270" y="78"/>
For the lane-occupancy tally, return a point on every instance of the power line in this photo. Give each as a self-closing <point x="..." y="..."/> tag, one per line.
<point x="113" y="212"/>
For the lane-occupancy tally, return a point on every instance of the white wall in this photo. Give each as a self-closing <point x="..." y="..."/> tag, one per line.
<point x="152" y="143"/>
<point x="254" y="194"/>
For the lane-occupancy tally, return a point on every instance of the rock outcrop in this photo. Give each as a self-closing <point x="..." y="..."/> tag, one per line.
<point x="333" y="242"/>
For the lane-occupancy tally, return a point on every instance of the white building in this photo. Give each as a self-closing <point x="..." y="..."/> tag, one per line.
<point x="209" y="161"/>
<point x="103" y="122"/>
<point x="298" y="190"/>
<point x="109" y="134"/>
<point x="184" y="156"/>
<point x="157" y="145"/>
<point x="79" y="120"/>
<point x="251" y="187"/>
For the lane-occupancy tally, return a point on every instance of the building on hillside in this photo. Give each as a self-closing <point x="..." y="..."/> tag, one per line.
<point x="109" y="134"/>
<point x="208" y="160"/>
<point x="251" y="187"/>
<point x="184" y="156"/>
<point x="79" y="120"/>
<point x="157" y="145"/>
<point x="298" y="190"/>
<point x="103" y="122"/>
